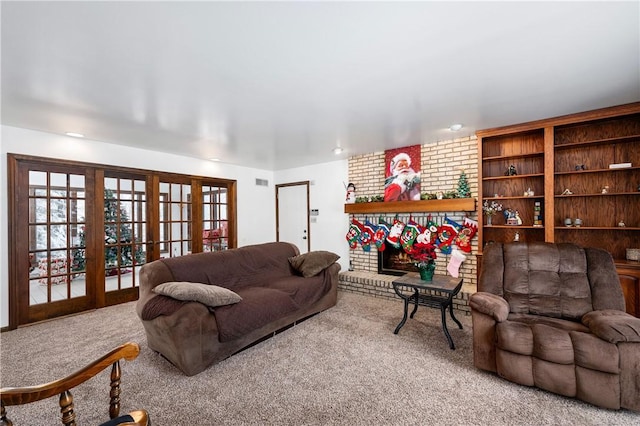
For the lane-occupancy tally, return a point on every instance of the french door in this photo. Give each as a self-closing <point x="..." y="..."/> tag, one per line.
<point x="79" y="234"/>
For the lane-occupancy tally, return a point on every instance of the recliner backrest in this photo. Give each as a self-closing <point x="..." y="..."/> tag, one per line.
<point x="547" y="279"/>
<point x="556" y="280"/>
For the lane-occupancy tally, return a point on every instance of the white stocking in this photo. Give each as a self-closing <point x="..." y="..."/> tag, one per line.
<point x="454" y="263"/>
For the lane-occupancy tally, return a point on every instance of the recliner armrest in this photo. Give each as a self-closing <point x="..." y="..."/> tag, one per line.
<point x="613" y="326"/>
<point x="490" y="304"/>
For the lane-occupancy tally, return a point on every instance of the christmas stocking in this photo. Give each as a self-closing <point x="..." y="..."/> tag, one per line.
<point x="409" y="234"/>
<point x="366" y="236"/>
<point x="454" y="263"/>
<point x="425" y="236"/>
<point x="381" y="234"/>
<point x="446" y="235"/>
<point x="395" y="232"/>
<point x="469" y="229"/>
<point x="355" y="229"/>
<point x="432" y="226"/>
<point x="453" y="223"/>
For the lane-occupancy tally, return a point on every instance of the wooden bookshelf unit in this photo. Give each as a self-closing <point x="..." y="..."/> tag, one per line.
<point x="581" y="166"/>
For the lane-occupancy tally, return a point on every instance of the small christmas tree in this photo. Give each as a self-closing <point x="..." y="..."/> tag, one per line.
<point x="112" y="235"/>
<point x="463" y="186"/>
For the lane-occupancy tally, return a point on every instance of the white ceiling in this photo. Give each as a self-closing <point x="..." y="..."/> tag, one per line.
<point x="275" y="85"/>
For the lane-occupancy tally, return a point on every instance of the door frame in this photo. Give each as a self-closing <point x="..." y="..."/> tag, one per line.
<point x="284" y="185"/>
<point x="94" y="173"/>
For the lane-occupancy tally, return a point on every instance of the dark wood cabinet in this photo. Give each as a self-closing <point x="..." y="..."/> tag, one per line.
<point x="629" y="273"/>
<point x="574" y="178"/>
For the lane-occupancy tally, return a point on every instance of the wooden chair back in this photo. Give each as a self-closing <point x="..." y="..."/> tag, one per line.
<point x="62" y="387"/>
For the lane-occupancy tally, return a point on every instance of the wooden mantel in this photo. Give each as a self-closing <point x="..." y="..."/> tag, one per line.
<point x="446" y="205"/>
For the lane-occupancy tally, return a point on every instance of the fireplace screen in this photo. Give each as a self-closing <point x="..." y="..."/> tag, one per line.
<point x="394" y="261"/>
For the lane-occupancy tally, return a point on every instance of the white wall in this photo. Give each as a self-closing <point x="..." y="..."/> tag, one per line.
<point x="326" y="190"/>
<point x="251" y="230"/>
<point x="327" y="194"/>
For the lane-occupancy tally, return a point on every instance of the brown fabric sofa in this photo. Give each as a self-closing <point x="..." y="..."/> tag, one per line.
<point x="552" y="316"/>
<point x="272" y="294"/>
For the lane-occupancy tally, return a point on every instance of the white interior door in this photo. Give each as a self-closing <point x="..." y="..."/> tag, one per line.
<point x="292" y="205"/>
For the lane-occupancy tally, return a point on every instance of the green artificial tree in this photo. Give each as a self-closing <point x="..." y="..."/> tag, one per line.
<point x="113" y="233"/>
<point x="463" y="186"/>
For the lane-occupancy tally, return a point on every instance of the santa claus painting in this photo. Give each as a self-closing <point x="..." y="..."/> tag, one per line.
<point x="402" y="174"/>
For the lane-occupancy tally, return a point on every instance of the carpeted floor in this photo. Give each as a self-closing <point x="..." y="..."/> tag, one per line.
<point x="341" y="367"/>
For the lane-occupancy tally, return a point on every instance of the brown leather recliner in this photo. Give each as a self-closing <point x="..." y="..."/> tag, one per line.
<point x="552" y="316"/>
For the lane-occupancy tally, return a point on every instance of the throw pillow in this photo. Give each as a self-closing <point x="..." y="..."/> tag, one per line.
<point x="210" y="295"/>
<point x="312" y="263"/>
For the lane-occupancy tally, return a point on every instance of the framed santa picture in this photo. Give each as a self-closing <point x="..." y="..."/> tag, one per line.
<point x="402" y="174"/>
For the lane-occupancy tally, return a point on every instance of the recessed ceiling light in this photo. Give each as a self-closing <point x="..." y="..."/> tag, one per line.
<point x="455" y="127"/>
<point x="337" y="150"/>
<point x="75" y="135"/>
<point x="214" y="159"/>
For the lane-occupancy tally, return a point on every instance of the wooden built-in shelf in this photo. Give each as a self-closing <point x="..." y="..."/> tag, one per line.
<point x="514" y="156"/>
<point x="576" y="172"/>
<point x="620" y="139"/>
<point x="515" y="197"/>
<point x="546" y="154"/>
<point x="516" y="227"/>
<point x="447" y="205"/>
<point x="597" y="228"/>
<point x="513" y="177"/>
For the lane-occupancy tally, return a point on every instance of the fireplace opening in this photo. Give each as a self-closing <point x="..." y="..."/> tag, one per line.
<point x="394" y="261"/>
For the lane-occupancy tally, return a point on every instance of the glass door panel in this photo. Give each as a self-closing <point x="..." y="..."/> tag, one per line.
<point x="124" y="232"/>
<point x="175" y="219"/>
<point x="215" y="225"/>
<point x="55" y="226"/>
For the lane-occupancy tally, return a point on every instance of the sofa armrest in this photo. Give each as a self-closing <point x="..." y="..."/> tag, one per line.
<point x="613" y="326"/>
<point x="490" y="304"/>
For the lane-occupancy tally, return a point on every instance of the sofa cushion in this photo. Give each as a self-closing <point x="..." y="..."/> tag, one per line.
<point x="558" y="378"/>
<point x="552" y="344"/>
<point x="490" y="304"/>
<point x="210" y="295"/>
<point x="515" y="337"/>
<point x="594" y="353"/>
<point x="613" y="326"/>
<point x="303" y="291"/>
<point x="160" y="305"/>
<point x="259" y="307"/>
<point x="551" y="322"/>
<point x="313" y="262"/>
<point x="246" y="266"/>
<point x="597" y="387"/>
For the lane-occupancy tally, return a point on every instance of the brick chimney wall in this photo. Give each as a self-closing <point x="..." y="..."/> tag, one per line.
<point x="440" y="168"/>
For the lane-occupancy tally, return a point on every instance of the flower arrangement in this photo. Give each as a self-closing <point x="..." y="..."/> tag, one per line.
<point x="423" y="254"/>
<point x="491" y="209"/>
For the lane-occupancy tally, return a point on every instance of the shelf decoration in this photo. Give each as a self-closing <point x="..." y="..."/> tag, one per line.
<point x="537" y="215"/>
<point x="490" y="209"/>
<point x="351" y="194"/>
<point x="512" y="217"/>
<point x="463" y="186"/>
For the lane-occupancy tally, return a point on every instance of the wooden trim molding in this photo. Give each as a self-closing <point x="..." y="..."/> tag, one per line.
<point x="446" y="205"/>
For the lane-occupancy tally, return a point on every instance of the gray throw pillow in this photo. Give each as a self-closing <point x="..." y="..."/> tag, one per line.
<point x="210" y="295"/>
<point x="312" y="263"/>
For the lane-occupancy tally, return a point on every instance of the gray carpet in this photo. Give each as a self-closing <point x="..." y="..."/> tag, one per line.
<point x="341" y="367"/>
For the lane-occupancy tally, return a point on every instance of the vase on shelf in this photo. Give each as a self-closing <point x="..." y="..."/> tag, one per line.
<point x="489" y="219"/>
<point x="426" y="271"/>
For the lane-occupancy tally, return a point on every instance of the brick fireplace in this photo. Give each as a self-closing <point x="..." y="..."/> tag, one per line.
<point x="394" y="261"/>
<point x="441" y="163"/>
